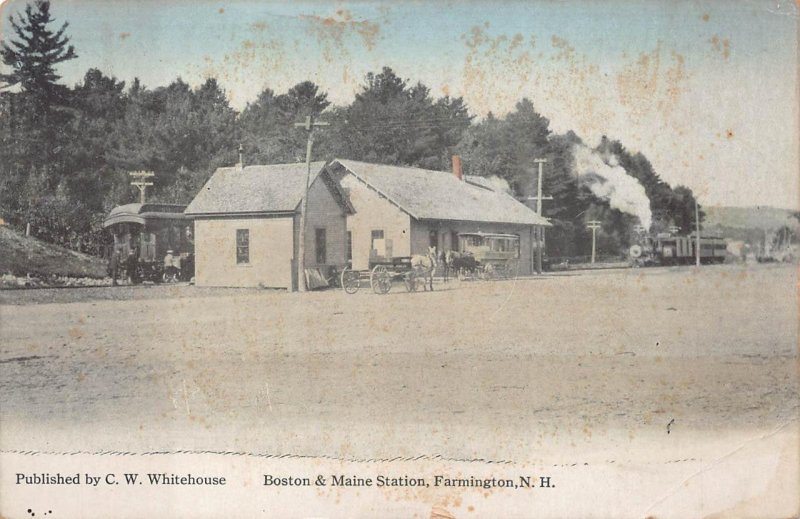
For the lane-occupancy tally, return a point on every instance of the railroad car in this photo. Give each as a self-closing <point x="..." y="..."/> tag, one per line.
<point x="666" y="249"/>
<point x="150" y="230"/>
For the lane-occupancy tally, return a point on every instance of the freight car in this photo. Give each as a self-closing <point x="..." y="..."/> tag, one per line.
<point x="666" y="249"/>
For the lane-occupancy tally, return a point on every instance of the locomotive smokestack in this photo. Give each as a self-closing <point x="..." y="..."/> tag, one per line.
<point x="457" y="172"/>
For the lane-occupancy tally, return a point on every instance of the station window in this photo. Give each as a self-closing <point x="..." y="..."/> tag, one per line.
<point x="377" y="245"/>
<point x="376" y="235"/>
<point x="242" y="246"/>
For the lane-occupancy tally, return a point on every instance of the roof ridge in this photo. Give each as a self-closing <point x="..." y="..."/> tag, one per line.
<point x="398" y="166"/>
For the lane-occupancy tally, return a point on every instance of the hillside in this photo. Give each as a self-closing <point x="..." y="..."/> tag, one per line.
<point x="21" y="255"/>
<point x="759" y="217"/>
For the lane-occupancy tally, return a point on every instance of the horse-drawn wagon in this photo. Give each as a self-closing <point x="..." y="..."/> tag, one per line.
<point x="487" y="255"/>
<point x="382" y="273"/>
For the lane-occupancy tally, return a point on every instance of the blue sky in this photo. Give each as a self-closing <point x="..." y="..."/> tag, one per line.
<point x="707" y="90"/>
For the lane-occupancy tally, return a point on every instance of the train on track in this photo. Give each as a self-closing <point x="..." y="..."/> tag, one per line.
<point x="668" y="249"/>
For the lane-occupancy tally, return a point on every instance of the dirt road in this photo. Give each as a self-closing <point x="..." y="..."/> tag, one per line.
<point x="608" y="367"/>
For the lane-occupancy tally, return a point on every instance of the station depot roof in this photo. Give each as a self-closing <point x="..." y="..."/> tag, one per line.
<point x="274" y="188"/>
<point x="139" y="213"/>
<point x="439" y="195"/>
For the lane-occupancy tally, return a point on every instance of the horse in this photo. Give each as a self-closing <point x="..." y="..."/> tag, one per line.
<point x="461" y="263"/>
<point x="423" y="266"/>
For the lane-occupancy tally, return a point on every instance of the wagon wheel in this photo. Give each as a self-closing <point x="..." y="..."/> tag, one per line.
<point x="512" y="267"/>
<point x="350" y="280"/>
<point x="380" y="279"/>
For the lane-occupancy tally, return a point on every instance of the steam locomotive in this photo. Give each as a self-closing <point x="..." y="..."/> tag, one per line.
<point x="666" y="249"/>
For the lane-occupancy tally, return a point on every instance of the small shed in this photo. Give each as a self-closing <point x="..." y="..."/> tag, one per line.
<point x="247" y="225"/>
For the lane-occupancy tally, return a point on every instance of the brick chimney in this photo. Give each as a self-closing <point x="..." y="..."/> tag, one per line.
<point x="457" y="172"/>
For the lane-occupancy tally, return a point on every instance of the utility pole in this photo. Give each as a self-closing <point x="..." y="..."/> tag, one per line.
<point x="697" y="226"/>
<point x="593" y="225"/>
<point x="539" y="231"/>
<point x="309" y="124"/>
<point x="140" y="180"/>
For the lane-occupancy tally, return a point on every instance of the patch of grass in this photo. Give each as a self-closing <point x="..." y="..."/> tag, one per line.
<point x="21" y="255"/>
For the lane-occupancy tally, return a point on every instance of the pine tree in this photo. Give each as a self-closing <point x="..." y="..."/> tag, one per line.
<point x="34" y="141"/>
<point x="33" y="56"/>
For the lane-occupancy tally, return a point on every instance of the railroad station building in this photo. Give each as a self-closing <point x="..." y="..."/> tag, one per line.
<point x="246" y="219"/>
<point x="401" y="211"/>
<point x="247" y="225"/>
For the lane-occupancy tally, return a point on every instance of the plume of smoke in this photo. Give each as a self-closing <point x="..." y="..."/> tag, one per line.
<point x="608" y="181"/>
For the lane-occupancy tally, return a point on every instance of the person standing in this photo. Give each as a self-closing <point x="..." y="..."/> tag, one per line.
<point x="113" y="266"/>
<point x="130" y="267"/>
<point x="170" y="268"/>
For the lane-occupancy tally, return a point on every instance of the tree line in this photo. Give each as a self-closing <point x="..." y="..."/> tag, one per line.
<point x="65" y="152"/>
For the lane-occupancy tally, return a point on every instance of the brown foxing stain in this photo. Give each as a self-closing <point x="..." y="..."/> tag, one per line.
<point x="497" y="69"/>
<point x="75" y="333"/>
<point x="721" y="45"/>
<point x="124" y="35"/>
<point x="221" y="10"/>
<point x="577" y="86"/>
<point x="705" y="17"/>
<point x="332" y="32"/>
<point x="253" y="53"/>
<point x="648" y="87"/>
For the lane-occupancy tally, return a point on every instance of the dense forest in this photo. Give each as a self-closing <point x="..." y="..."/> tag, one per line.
<point x="65" y="152"/>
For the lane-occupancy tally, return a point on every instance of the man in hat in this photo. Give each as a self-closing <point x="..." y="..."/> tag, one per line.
<point x="170" y="267"/>
<point x="113" y="266"/>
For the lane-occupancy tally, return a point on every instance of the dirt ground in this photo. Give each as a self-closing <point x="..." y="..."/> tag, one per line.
<point x="641" y="367"/>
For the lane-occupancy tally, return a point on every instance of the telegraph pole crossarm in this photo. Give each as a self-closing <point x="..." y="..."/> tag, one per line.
<point x="141" y="180"/>
<point x="593" y="225"/>
<point x="309" y="124"/>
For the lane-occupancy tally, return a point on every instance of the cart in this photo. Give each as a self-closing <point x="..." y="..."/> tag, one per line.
<point x="497" y="255"/>
<point x="382" y="274"/>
